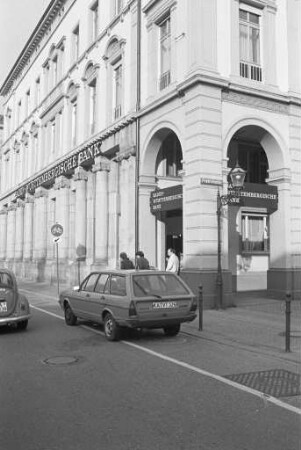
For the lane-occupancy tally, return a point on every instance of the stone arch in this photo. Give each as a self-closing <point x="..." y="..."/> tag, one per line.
<point x="153" y="143"/>
<point x="268" y="137"/>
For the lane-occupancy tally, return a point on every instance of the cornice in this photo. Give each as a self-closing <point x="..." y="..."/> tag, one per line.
<point x="52" y="11"/>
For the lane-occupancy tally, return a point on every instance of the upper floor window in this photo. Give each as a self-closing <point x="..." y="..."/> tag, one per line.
<point x="19" y="113"/>
<point x="118" y="6"/>
<point x="54" y="71"/>
<point x="27" y="102"/>
<point x="249" y="39"/>
<point x="117" y="91"/>
<point x="165" y="53"/>
<point x="38" y="91"/>
<point x="75" y="43"/>
<point x="94" y="21"/>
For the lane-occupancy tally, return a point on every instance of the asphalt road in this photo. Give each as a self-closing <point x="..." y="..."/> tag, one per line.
<point x="67" y="388"/>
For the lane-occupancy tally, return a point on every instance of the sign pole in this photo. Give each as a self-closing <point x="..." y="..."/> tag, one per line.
<point x="57" y="268"/>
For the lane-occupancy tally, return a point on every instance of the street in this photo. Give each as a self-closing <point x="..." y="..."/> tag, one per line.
<point x="68" y="388"/>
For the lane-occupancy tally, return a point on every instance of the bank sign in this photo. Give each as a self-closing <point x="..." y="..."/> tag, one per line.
<point x="66" y="167"/>
<point x="257" y="196"/>
<point x="166" y="199"/>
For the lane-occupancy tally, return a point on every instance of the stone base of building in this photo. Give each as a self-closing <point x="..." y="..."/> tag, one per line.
<point x="207" y="279"/>
<point x="280" y="281"/>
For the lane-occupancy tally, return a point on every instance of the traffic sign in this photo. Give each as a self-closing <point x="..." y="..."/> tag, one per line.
<point x="57" y="229"/>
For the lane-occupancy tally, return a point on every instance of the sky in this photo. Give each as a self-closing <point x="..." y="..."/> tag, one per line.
<point x="18" y="18"/>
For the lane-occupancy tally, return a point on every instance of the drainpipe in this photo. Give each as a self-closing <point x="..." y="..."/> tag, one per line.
<point x="138" y="127"/>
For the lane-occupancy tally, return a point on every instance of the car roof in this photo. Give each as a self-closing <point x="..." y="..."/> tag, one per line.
<point x="131" y="271"/>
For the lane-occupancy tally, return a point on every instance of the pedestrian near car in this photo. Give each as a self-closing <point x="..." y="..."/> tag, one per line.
<point x="125" y="262"/>
<point x="173" y="264"/>
<point x="141" y="262"/>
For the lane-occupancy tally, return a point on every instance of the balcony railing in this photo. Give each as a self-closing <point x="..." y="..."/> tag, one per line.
<point x="164" y="80"/>
<point x="251" y="71"/>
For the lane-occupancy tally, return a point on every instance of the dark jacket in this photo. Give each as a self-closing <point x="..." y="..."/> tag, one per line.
<point x="126" y="264"/>
<point x="142" y="263"/>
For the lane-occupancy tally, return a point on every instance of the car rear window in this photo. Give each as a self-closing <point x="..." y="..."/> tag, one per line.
<point x="158" y="284"/>
<point x="5" y="280"/>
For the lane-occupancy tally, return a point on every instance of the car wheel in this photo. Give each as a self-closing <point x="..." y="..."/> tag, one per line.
<point x="111" y="329"/>
<point x="22" y="325"/>
<point x="70" y="317"/>
<point x="172" y="331"/>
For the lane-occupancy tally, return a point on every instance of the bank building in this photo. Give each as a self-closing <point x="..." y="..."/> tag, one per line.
<point x="122" y="122"/>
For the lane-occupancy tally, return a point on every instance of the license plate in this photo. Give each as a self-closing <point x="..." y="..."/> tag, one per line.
<point x="165" y="305"/>
<point x="3" y="307"/>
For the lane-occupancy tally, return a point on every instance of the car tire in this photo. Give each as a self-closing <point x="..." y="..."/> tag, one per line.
<point x="22" y="325"/>
<point x="111" y="329"/>
<point x="172" y="330"/>
<point x="70" y="317"/>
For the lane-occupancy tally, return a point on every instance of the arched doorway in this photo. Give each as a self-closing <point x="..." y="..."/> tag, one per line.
<point x="163" y="163"/>
<point x="250" y="230"/>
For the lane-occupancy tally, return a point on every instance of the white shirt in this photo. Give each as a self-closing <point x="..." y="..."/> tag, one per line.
<point x="173" y="263"/>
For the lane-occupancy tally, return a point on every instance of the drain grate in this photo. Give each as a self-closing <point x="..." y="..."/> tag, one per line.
<point x="276" y="382"/>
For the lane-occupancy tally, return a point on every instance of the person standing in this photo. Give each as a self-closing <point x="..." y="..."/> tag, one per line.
<point x="125" y="262"/>
<point x="173" y="263"/>
<point x="141" y="262"/>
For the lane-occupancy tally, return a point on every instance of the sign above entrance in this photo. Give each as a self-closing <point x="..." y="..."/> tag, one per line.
<point x="258" y="196"/>
<point x="166" y="199"/>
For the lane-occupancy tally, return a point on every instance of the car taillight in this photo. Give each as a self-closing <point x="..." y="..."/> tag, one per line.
<point x="132" y="309"/>
<point x="194" y="304"/>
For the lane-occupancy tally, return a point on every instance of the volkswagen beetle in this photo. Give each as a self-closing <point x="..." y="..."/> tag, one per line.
<point x="14" y="306"/>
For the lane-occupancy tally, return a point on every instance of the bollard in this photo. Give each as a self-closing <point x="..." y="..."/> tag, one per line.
<point x="287" y="321"/>
<point x="200" y="307"/>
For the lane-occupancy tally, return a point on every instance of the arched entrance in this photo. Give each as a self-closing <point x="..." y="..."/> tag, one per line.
<point x="252" y="219"/>
<point x="163" y="163"/>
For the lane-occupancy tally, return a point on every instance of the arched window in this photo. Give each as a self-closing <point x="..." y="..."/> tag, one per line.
<point x="73" y="114"/>
<point x="90" y="79"/>
<point x="169" y="160"/>
<point x="114" y="58"/>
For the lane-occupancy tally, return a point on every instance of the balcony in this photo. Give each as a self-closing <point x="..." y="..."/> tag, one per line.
<point x="251" y="71"/>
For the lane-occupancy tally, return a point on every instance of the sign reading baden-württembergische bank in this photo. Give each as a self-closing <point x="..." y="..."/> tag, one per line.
<point x="166" y="199"/>
<point x="258" y="196"/>
<point x="84" y="156"/>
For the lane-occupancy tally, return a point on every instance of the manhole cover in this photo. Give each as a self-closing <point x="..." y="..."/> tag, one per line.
<point x="61" y="360"/>
<point x="277" y="382"/>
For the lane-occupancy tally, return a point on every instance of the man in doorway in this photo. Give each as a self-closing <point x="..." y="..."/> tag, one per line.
<point x="173" y="263"/>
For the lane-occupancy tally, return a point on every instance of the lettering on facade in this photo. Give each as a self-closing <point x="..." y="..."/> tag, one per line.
<point x="166" y="199"/>
<point x="258" y="195"/>
<point x="83" y="157"/>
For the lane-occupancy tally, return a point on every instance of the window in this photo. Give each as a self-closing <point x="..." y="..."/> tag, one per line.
<point x="38" y="91"/>
<point x="19" y="113"/>
<point x="52" y="136"/>
<point x="118" y="286"/>
<point x="118" y="6"/>
<point x="165" y="53"/>
<point x="249" y="39"/>
<point x="73" y="122"/>
<point x="94" y="21"/>
<point x="92" y="106"/>
<point x="169" y="161"/>
<point x="27" y="102"/>
<point x="89" y="283"/>
<point x="101" y="283"/>
<point x="255" y="232"/>
<point x="117" y="91"/>
<point x="54" y="71"/>
<point x="75" y="43"/>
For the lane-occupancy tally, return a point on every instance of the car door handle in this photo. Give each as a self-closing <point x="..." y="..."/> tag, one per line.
<point x="102" y="297"/>
<point x="87" y="295"/>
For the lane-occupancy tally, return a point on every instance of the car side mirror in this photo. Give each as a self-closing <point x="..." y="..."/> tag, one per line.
<point x="75" y="288"/>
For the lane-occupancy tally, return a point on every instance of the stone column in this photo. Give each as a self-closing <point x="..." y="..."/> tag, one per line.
<point x="3" y="233"/>
<point x="28" y="227"/>
<point x="11" y="231"/>
<point x="40" y="225"/>
<point x="101" y="168"/>
<point x="62" y="186"/>
<point x="80" y="178"/>
<point x="19" y="230"/>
